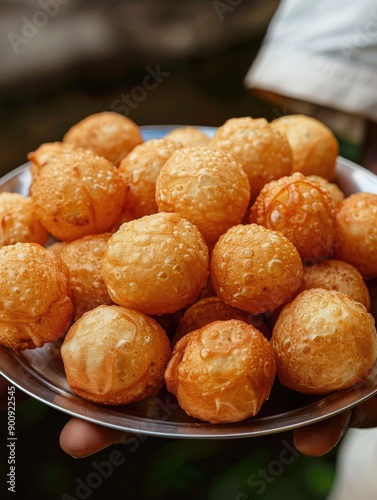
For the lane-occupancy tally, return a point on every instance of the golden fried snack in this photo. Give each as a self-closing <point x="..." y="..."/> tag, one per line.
<point x="324" y="341"/>
<point x="207" y="187"/>
<point x="301" y="210"/>
<point x="356" y="236"/>
<point x="57" y="246"/>
<point x="336" y="275"/>
<point x="188" y="136"/>
<point x="336" y="193"/>
<point x="141" y="168"/>
<point x="114" y="356"/>
<point x="157" y="264"/>
<point x="78" y="195"/>
<point x="314" y="146"/>
<point x="83" y="258"/>
<point x="210" y="309"/>
<point x="35" y="303"/>
<point x="45" y="153"/>
<point x="222" y="372"/>
<point x="19" y="221"/>
<point x="262" y="151"/>
<point x="255" y="269"/>
<point x="107" y="134"/>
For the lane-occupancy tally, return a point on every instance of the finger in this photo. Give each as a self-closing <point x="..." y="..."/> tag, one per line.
<point x="318" y="439"/>
<point x="81" y="439"/>
<point x="365" y="415"/>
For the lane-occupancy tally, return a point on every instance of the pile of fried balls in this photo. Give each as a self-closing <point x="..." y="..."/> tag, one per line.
<point x="210" y="266"/>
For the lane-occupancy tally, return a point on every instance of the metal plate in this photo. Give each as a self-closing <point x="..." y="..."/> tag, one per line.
<point x="40" y="372"/>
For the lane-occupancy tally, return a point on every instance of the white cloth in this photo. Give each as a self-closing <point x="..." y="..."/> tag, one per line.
<point x="322" y="52"/>
<point x="356" y="468"/>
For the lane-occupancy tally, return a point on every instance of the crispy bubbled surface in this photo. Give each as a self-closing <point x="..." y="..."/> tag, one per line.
<point x="356" y="236"/>
<point x="140" y="169"/>
<point x="301" y="210"/>
<point x="324" y="341"/>
<point x="78" y="194"/>
<point x="222" y="372"/>
<point x="262" y="151"/>
<point x="255" y="269"/>
<point x="19" y="221"/>
<point x="314" y="146"/>
<point x="207" y="187"/>
<point x="157" y="264"/>
<point x="333" y="274"/>
<point x="35" y="300"/>
<point x="114" y="355"/>
<point x="83" y="257"/>
<point x="107" y="134"/>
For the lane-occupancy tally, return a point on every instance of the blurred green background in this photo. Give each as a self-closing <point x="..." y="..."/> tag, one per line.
<point x="80" y="62"/>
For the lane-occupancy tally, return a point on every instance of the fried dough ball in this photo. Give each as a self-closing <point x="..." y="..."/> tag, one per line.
<point x="207" y="187"/>
<point x="324" y="341"/>
<point x="210" y="309"/>
<point x="141" y="168"/>
<point x="83" y="258"/>
<point x="314" y="146"/>
<point x="188" y="136"/>
<point x="45" y="153"/>
<point x="35" y="302"/>
<point x="262" y="151"/>
<point x="336" y="275"/>
<point x="222" y="372"/>
<point x="79" y="195"/>
<point x="301" y="210"/>
<point x="336" y="193"/>
<point x="114" y="356"/>
<point x="107" y="134"/>
<point x="356" y="236"/>
<point x="19" y="221"/>
<point x="157" y="264"/>
<point x="255" y="269"/>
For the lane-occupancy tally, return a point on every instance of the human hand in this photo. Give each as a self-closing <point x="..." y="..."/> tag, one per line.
<point x="318" y="439"/>
<point x="81" y="439"/>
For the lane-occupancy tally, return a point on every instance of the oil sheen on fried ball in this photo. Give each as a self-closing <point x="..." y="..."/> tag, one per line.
<point x="356" y="236"/>
<point x="301" y="210"/>
<point x="19" y="221"/>
<point x="157" y="264"/>
<point x="255" y="269"/>
<point x="262" y="151"/>
<point x="314" y="146"/>
<point x="45" y="153"/>
<point x="83" y="258"/>
<point x="141" y="168"/>
<point x="336" y="275"/>
<point x="211" y="309"/>
<point x="324" y="341"/>
<point x="35" y="302"/>
<point x="222" y="372"/>
<point x="113" y="355"/>
<point x="77" y="195"/>
<point x="107" y="134"/>
<point x="336" y="193"/>
<point x="188" y="136"/>
<point x="207" y="187"/>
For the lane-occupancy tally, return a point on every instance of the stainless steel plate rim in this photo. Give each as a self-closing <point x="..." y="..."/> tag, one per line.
<point x="22" y="369"/>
